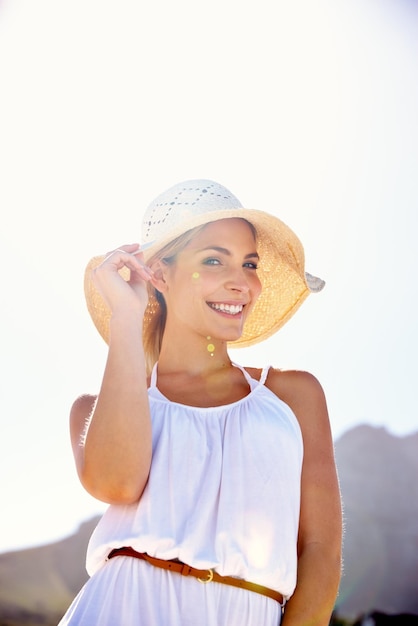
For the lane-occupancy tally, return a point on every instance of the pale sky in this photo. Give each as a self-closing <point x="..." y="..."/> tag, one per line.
<point x="305" y="109"/>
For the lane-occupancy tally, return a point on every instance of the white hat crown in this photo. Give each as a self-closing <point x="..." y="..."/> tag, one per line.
<point x="183" y="201"/>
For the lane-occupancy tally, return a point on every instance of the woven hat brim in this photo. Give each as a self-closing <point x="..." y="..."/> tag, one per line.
<point x="281" y="271"/>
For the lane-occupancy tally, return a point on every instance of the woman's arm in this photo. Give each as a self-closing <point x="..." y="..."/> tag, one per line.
<point x="320" y="526"/>
<point x="111" y="435"/>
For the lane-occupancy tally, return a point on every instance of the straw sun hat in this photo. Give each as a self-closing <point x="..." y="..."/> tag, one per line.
<point x="196" y="202"/>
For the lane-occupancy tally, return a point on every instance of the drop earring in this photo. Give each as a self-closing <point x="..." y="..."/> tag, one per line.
<point x="210" y="347"/>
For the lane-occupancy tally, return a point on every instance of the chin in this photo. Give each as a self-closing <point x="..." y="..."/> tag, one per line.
<point x="234" y="336"/>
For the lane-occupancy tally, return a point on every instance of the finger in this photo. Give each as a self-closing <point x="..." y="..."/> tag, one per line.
<point x="124" y="251"/>
<point x="144" y="270"/>
<point x="122" y="257"/>
<point x="144" y="246"/>
<point x="131" y="248"/>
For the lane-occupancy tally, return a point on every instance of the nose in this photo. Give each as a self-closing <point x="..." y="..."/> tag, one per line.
<point x="237" y="281"/>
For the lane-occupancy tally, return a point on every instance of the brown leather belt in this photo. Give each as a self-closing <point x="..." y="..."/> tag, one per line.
<point x="202" y="575"/>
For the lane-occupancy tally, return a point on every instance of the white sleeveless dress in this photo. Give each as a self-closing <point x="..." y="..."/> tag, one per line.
<point x="223" y="493"/>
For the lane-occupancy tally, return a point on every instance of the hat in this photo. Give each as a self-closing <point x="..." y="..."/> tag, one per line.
<point x="189" y="204"/>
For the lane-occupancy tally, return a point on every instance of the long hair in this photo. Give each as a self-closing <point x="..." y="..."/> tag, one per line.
<point x="155" y="329"/>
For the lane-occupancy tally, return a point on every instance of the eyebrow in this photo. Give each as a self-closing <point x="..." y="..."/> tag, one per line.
<point x="225" y="251"/>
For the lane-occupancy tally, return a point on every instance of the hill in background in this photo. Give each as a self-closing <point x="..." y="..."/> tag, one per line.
<point x="379" y="484"/>
<point x="38" y="584"/>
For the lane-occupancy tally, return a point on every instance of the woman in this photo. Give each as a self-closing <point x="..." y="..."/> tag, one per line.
<point x="224" y="501"/>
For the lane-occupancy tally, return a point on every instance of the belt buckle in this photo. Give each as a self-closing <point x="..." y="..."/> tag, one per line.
<point x="208" y="579"/>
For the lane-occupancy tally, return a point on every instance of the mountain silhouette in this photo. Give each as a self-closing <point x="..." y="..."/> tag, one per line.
<point x="379" y="485"/>
<point x="378" y="475"/>
<point x="38" y="584"/>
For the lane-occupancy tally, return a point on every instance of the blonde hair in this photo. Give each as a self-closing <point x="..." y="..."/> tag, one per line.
<point x="158" y="309"/>
<point x="158" y="316"/>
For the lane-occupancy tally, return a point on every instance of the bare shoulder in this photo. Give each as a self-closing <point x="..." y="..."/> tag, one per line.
<point x="294" y="384"/>
<point x="303" y="393"/>
<point x="289" y="384"/>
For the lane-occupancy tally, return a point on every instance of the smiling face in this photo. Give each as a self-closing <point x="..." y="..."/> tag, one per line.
<point x="212" y="286"/>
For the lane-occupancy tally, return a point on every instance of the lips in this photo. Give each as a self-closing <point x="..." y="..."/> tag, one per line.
<point x="229" y="309"/>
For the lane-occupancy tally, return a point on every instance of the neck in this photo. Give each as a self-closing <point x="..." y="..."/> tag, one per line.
<point x="198" y="356"/>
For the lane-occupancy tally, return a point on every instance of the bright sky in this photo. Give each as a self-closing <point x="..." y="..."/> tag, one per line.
<point x="305" y="109"/>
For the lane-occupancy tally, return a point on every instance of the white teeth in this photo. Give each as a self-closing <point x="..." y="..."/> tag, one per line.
<point x="232" y="309"/>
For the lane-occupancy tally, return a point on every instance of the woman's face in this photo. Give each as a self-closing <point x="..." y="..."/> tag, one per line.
<point x="213" y="285"/>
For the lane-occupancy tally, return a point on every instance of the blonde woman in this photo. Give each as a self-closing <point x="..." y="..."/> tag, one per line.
<point x="224" y="506"/>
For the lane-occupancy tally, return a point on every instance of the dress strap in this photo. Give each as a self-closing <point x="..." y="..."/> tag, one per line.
<point x="153" y="378"/>
<point x="264" y="374"/>
<point x="249" y="379"/>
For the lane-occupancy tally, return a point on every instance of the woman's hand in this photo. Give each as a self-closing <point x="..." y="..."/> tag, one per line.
<point x="118" y="293"/>
<point x="114" y="458"/>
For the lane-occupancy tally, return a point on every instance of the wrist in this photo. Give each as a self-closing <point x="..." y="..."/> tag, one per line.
<point x="126" y="321"/>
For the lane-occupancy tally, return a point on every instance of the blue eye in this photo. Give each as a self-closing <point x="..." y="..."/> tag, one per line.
<point x="211" y="261"/>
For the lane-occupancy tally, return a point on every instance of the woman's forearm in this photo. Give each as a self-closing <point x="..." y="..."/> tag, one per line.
<point x="118" y="444"/>
<point x="319" y="574"/>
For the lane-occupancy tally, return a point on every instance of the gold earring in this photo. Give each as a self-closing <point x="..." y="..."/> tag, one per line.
<point x="210" y="347"/>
